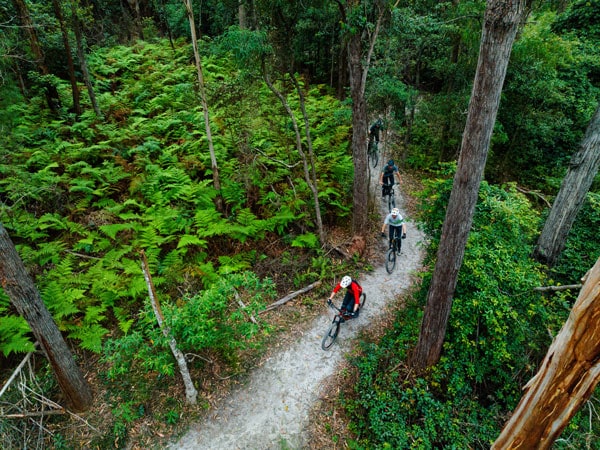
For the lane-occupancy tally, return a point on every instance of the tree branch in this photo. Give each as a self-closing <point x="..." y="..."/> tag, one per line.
<point x="291" y="296"/>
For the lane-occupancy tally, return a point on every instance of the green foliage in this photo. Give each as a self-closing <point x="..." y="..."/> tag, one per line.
<point x="581" y="249"/>
<point x="213" y="319"/>
<point x="497" y="334"/>
<point x="211" y="322"/>
<point x="553" y="73"/>
<point x="82" y="198"/>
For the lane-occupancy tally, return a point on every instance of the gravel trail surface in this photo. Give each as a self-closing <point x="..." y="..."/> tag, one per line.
<point x="271" y="410"/>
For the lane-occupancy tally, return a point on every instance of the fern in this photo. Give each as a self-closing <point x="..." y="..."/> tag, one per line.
<point x="61" y="301"/>
<point x="90" y="337"/>
<point x="14" y="335"/>
<point x="187" y="240"/>
<point x="112" y="230"/>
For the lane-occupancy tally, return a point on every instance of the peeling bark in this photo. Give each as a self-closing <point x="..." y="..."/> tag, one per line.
<point x="566" y="378"/>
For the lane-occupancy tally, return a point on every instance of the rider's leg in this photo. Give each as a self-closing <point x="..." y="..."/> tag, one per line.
<point x="348" y="302"/>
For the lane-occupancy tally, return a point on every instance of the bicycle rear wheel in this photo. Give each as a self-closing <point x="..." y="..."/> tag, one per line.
<point x="331" y="335"/>
<point x="363" y="300"/>
<point x="373" y="154"/>
<point x="390" y="260"/>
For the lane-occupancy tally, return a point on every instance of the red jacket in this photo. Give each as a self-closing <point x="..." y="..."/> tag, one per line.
<point x="354" y="287"/>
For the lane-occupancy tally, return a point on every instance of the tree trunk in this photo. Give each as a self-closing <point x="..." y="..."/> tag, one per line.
<point x="501" y="22"/>
<point x="201" y="87"/>
<point x="583" y="168"/>
<point x="358" y="68"/>
<point x="70" y="65"/>
<point x="83" y="61"/>
<point x="566" y="378"/>
<point x="23" y="294"/>
<point x="310" y="173"/>
<point x="360" y="214"/>
<point x="52" y="97"/>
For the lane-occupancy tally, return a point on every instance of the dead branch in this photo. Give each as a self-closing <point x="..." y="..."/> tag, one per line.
<point x="50" y="412"/>
<point x="243" y="306"/>
<point x="17" y="371"/>
<point x="191" y="393"/>
<point x="291" y="296"/>
<point x="535" y="194"/>
<point x="557" y="288"/>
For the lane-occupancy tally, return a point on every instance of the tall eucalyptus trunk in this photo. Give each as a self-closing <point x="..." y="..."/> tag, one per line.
<point x="583" y="168"/>
<point x="358" y="68"/>
<point x="501" y="22"/>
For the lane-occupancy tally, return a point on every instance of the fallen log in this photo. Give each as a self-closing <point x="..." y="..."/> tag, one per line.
<point x="291" y="296"/>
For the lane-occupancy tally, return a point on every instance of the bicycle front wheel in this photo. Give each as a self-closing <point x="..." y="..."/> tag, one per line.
<point x="363" y="300"/>
<point x="331" y="335"/>
<point x="390" y="260"/>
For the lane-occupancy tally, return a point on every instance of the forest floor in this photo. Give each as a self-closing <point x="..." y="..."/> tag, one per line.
<point x="282" y="402"/>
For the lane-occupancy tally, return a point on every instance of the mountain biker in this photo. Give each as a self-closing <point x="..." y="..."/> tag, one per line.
<point x="353" y="291"/>
<point x="396" y="223"/>
<point x="374" y="131"/>
<point x="386" y="179"/>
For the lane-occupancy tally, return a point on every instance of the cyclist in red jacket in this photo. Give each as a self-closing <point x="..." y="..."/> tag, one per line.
<point x="352" y="297"/>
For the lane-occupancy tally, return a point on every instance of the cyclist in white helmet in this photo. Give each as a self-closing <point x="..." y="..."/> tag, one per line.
<point x="396" y="223"/>
<point x="352" y="297"/>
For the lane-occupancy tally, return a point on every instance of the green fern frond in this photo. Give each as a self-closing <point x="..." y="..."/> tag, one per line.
<point x="52" y="221"/>
<point x="90" y="337"/>
<point x="15" y="335"/>
<point x="210" y="223"/>
<point x="232" y="264"/>
<point x="82" y="185"/>
<point x="282" y="218"/>
<point x="111" y="230"/>
<point x="187" y="240"/>
<point x="49" y="252"/>
<point x="60" y="300"/>
<point x="124" y="321"/>
<point x="307" y="240"/>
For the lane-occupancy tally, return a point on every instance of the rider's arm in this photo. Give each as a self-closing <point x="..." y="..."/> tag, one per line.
<point x="384" y="224"/>
<point x="335" y="289"/>
<point x="356" y="293"/>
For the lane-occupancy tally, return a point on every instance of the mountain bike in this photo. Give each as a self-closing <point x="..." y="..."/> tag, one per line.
<point x="388" y="189"/>
<point x="373" y="152"/>
<point x="340" y="317"/>
<point x="393" y="251"/>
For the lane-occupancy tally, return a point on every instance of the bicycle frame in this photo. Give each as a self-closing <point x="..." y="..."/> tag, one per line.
<point x="339" y="313"/>
<point x="338" y="319"/>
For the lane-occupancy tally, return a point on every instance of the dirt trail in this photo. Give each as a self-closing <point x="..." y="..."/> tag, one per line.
<point x="271" y="410"/>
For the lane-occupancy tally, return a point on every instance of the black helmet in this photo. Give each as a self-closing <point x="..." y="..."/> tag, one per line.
<point x="390" y="162"/>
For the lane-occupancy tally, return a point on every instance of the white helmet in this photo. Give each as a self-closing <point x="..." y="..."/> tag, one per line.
<point x="345" y="281"/>
<point x="395" y="212"/>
